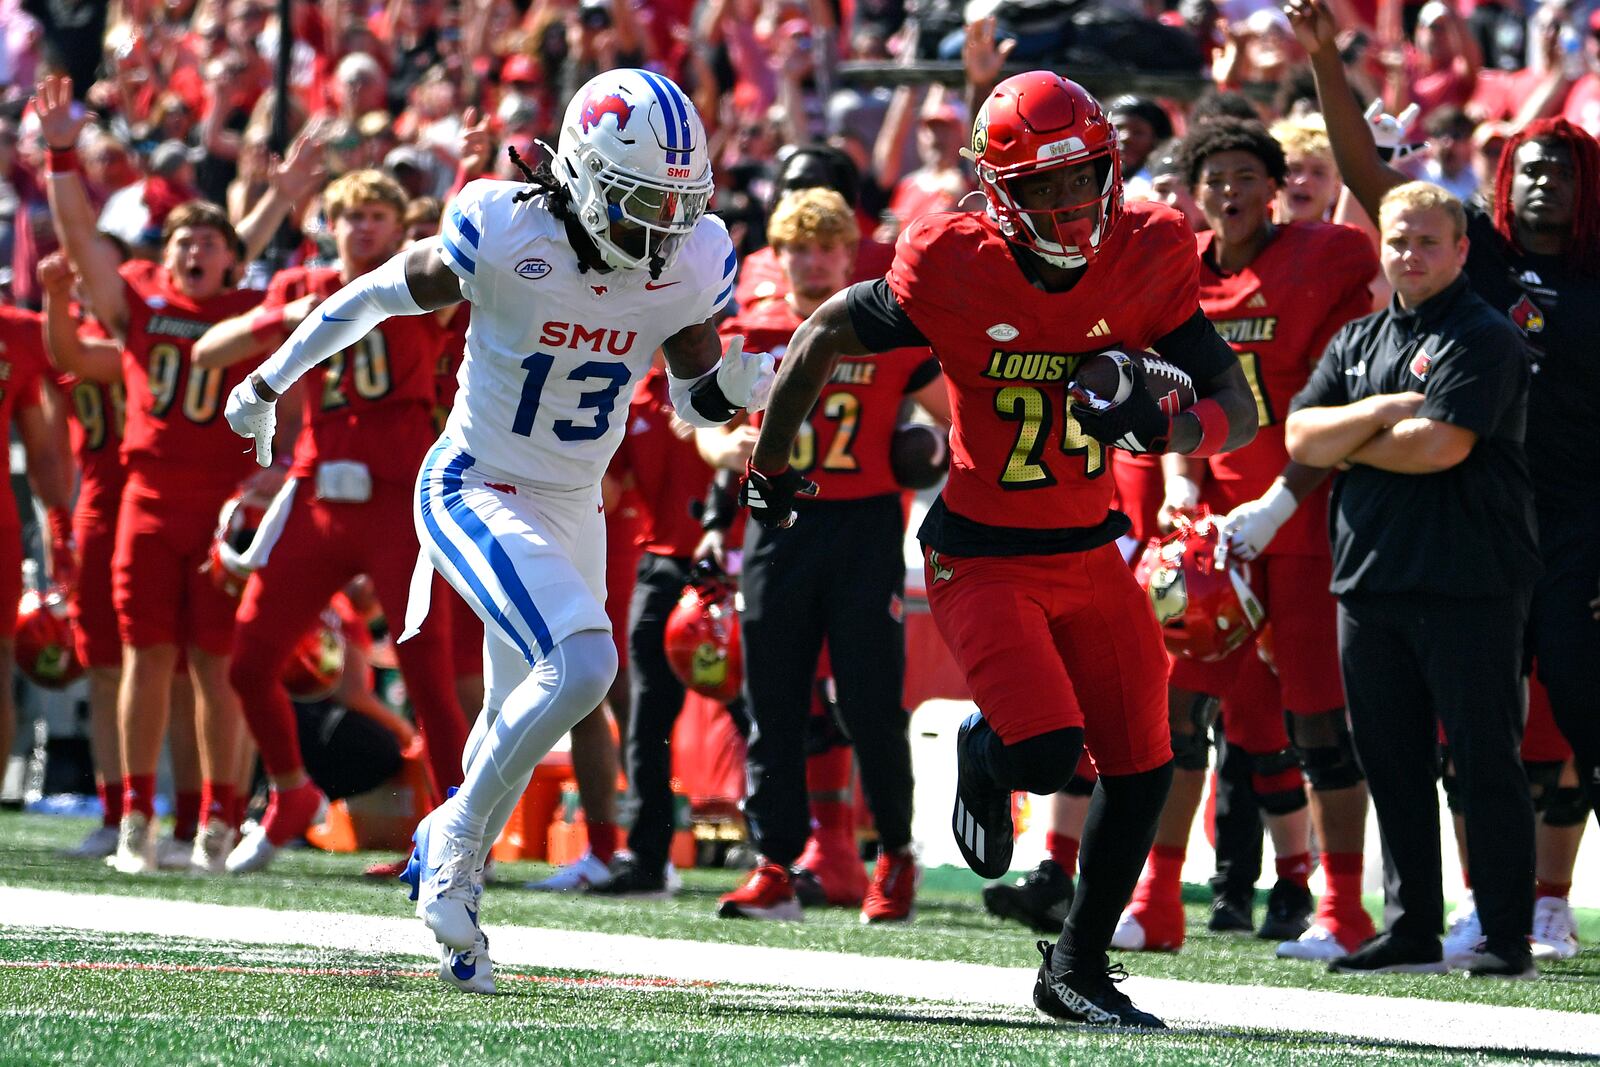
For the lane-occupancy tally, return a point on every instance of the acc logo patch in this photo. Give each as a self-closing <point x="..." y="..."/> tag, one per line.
<point x="1526" y="314"/>
<point x="1003" y="331"/>
<point x="533" y="269"/>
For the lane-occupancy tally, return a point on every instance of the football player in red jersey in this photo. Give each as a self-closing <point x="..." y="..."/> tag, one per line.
<point x="179" y="474"/>
<point x="368" y="421"/>
<point x="89" y="374"/>
<point x="1060" y="647"/>
<point x="1277" y="293"/>
<point x="837" y="576"/>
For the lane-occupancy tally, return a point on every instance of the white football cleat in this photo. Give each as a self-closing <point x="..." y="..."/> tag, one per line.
<point x="212" y="843"/>
<point x="1129" y="934"/>
<point x="442" y="874"/>
<point x="1317" y="943"/>
<point x="97" y="845"/>
<point x="1464" y="934"/>
<point x="1555" y="934"/>
<point x="471" y="971"/>
<point x="136" y="846"/>
<point x="585" y="872"/>
<point x="253" y="853"/>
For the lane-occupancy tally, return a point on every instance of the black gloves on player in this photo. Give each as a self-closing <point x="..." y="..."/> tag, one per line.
<point x="770" y="497"/>
<point x="1136" y="425"/>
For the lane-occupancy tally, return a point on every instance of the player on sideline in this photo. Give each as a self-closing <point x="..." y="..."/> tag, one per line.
<point x="1024" y="578"/>
<point x="575" y="277"/>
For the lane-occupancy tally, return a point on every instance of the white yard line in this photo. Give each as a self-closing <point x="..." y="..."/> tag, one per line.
<point x="1208" y="1005"/>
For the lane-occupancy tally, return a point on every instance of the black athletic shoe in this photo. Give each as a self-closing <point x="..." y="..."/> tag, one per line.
<point x="808" y="888"/>
<point x="1388" y="954"/>
<point x="1087" y="996"/>
<point x="1230" y="916"/>
<point x="1509" y="963"/>
<point x="1289" y="908"/>
<point x="1039" y="899"/>
<point x="631" y="878"/>
<point x="982" y="817"/>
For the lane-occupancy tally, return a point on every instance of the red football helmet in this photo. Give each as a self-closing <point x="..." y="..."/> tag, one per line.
<point x="317" y="663"/>
<point x="702" y="640"/>
<point x="1201" y="595"/>
<point x="1040" y="121"/>
<point x="237" y="523"/>
<point x="45" y="650"/>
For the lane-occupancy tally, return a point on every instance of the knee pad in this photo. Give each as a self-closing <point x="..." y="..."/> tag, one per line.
<point x="1045" y="763"/>
<point x="1079" y="786"/>
<point x="1279" y="785"/>
<point x="1568" y="806"/>
<point x="1322" y="745"/>
<point x="1543" y="778"/>
<point x="1190" y="751"/>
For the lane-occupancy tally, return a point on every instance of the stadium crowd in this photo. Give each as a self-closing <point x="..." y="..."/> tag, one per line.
<point x="159" y="237"/>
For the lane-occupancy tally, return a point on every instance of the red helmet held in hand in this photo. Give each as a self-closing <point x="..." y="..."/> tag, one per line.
<point x="45" y="650"/>
<point x="317" y="663"/>
<point x="702" y="640"/>
<point x="1040" y="122"/>
<point x="1201" y="595"/>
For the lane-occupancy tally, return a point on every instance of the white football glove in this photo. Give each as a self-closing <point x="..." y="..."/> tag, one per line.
<point x="746" y="377"/>
<point x="251" y="416"/>
<point x="1250" y="527"/>
<point x="1182" y="495"/>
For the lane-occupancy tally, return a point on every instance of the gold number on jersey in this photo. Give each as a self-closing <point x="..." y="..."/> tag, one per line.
<point x="370" y="376"/>
<point x="166" y="363"/>
<point x="89" y="407"/>
<point x="1030" y="409"/>
<point x="1025" y="406"/>
<point x="1251" y="363"/>
<point x="844" y="409"/>
<point x="202" y="399"/>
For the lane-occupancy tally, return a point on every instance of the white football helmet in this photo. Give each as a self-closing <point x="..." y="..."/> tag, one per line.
<point x="633" y="154"/>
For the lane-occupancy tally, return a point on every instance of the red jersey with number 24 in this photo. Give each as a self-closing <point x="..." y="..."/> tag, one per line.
<point x="174" y="416"/>
<point x="1009" y="348"/>
<point x="1278" y="314"/>
<point x="843" y="445"/>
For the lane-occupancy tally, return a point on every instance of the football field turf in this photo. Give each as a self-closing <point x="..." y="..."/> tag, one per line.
<point x="126" y="973"/>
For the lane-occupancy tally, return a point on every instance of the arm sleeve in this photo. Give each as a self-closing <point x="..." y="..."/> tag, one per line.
<point x="1326" y="388"/>
<point x="879" y="320"/>
<point x="1481" y="377"/>
<point x="925" y="373"/>
<point x="1197" y="348"/>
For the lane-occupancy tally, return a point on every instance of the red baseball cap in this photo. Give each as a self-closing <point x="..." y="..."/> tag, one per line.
<point x="519" y="67"/>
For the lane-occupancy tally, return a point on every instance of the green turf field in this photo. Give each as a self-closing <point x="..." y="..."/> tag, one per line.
<point x="950" y="925"/>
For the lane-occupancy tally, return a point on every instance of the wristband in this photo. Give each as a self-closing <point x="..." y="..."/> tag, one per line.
<point x="266" y="325"/>
<point x="1213" y="428"/>
<point x="61" y="160"/>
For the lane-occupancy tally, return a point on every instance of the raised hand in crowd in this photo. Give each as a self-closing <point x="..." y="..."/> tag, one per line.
<point x="983" y="59"/>
<point x="475" y="147"/>
<point x="59" y="125"/>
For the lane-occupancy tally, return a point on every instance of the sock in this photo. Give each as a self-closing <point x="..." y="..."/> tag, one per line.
<point x="1166" y="864"/>
<point x="1559" y="890"/>
<point x="1295" y="869"/>
<point x="1063" y="851"/>
<point x="110" y="803"/>
<point x="289" y="812"/>
<point x="1342" y="872"/>
<point x="1466" y="878"/>
<point x="217" y="799"/>
<point x="603" y="840"/>
<point x="139" y="794"/>
<point x="565" y="686"/>
<point x="185" y="814"/>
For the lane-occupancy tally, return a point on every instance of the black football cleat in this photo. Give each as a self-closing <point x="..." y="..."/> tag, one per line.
<point x="1230" y="917"/>
<point x="1088" y="996"/>
<point x="982" y="817"/>
<point x="1289" y="909"/>
<point x="1039" y="899"/>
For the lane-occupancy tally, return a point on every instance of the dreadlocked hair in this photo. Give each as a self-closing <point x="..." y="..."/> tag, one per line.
<point x="1583" y="255"/>
<point x="558" y="198"/>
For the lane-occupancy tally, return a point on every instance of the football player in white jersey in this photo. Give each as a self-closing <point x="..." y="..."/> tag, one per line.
<point x="576" y="278"/>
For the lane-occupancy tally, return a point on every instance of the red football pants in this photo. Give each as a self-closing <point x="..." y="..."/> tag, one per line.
<point x="323" y="545"/>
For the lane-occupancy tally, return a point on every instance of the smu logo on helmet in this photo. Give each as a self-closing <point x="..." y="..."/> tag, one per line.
<point x="598" y="106"/>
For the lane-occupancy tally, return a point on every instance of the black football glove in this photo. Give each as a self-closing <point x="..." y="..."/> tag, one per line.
<point x="1136" y="425"/>
<point x="770" y="497"/>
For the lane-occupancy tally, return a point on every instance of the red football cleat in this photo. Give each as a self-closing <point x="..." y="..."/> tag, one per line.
<point x="832" y="871"/>
<point x="767" y="894"/>
<point x="892" y="896"/>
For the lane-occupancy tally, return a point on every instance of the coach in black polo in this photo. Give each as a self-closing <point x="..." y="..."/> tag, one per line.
<point x="1423" y="406"/>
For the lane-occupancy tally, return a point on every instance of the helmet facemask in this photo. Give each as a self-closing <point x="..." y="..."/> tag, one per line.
<point x="633" y="219"/>
<point x="1075" y="241"/>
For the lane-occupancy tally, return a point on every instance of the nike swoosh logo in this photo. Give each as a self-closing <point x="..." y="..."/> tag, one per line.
<point x="653" y="286"/>
<point x="462" y="968"/>
<point x="332" y="318"/>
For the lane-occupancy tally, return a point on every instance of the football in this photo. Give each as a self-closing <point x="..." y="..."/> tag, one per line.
<point x="919" y="455"/>
<point x="1106" y="379"/>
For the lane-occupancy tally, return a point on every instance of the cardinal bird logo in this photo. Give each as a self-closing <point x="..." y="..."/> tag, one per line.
<point x="597" y="106"/>
<point x="1526" y="314"/>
